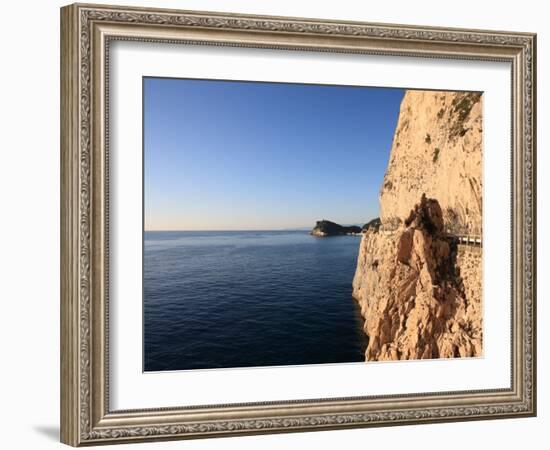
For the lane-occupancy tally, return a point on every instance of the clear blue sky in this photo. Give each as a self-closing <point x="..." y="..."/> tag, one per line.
<point x="231" y="155"/>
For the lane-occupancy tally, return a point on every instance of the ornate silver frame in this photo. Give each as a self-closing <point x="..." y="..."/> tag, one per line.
<point x="86" y="31"/>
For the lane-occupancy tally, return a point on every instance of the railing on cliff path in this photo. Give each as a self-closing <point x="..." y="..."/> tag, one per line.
<point x="462" y="234"/>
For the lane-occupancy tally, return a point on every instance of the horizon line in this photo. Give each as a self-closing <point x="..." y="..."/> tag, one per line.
<point x="297" y="228"/>
<point x="232" y="229"/>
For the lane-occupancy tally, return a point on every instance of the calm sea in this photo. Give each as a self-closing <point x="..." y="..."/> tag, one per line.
<point x="252" y="298"/>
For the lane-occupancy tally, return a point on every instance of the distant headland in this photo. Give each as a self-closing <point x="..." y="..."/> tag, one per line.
<point x="374" y="224"/>
<point x="326" y="228"/>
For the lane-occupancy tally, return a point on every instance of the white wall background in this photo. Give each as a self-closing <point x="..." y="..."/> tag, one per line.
<point x="29" y="224"/>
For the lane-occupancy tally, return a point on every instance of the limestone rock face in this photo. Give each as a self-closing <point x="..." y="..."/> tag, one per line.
<point x="414" y="300"/>
<point x="418" y="288"/>
<point x="436" y="150"/>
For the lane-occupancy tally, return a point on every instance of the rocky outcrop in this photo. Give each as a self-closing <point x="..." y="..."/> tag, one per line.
<point x="419" y="290"/>
<point x="409" y="286"/>
<point x="325" y="228"/>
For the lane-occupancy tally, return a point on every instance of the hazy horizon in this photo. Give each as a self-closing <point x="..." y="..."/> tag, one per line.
<point x="297" y="228"/>
<point x="255" y="156"/>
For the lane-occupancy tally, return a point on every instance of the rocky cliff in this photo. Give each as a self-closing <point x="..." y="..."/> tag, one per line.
<point x="419" y="289"/>
<point x="437" y="151"/>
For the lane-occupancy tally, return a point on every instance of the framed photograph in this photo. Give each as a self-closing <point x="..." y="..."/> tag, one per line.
<point x="276" y="224"/>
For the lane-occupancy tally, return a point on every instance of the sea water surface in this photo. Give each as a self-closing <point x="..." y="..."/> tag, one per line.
<point x="249" y="298"/>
